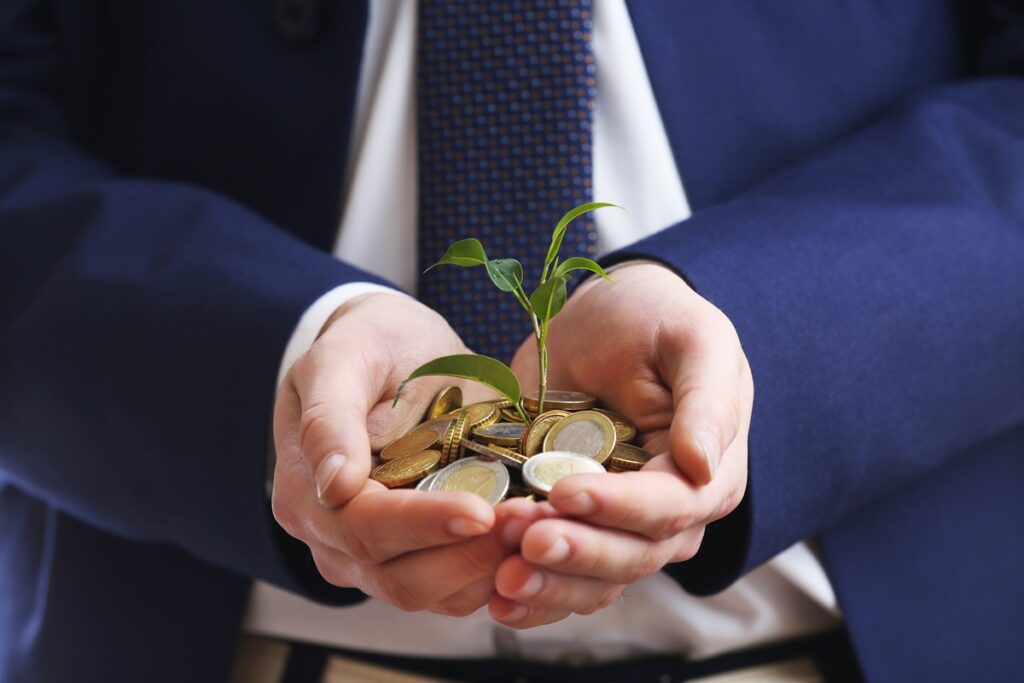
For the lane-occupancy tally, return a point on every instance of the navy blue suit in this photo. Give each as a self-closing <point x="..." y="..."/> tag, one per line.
<point x="170" y="178"/>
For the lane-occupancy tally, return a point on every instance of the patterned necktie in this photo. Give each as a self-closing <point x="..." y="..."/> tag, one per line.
<point x="505" y="106"/>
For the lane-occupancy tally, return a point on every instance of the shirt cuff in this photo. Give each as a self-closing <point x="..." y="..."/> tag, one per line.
<point x="312" y="321"/>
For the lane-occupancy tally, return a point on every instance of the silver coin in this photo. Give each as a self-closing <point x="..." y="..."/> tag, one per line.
<point x="544" y="470"/>
<point x="427" y="481"/>
<point x="485" y="478"/>
<point x="587" y="433"/>
<point x="503" y="431"/>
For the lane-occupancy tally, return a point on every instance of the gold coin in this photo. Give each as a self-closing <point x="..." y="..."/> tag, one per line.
<point x="501" y="403"/>
<point x="544" y="470"/>
<point x="628" y="458"/>
<point x="451" y="446"/>
<point x="448" y="400"/>
<point x="511" y="415"/>
<point x="480" y="414"/>
<point x="407" y="469"/>
<point x="559" y="400"/>
<point x="624" y="429"/>
<point x="500" y="433"/>
<point x="532" y="442"/>
<point x="506" y="456"/>
<point x="419" y="439"/>
<point x="587" y="433"/>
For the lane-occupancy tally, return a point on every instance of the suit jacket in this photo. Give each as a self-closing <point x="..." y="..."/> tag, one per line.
<point x="170" y="178"/>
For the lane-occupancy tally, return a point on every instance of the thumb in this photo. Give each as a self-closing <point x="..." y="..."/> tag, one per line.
<point x="707" y="412"/>
<point x="334" y="395"/>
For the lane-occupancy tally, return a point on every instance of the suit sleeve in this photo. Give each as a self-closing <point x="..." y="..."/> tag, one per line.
<point x="141" y="327"/>
<point x="878" y="290"/>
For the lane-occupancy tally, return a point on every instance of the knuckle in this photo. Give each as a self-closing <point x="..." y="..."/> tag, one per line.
<point x="642" y="568"/>
<point x="356" y="548"/>
<point x="313" y="417"/>
<point x="690" y="546"/>
<point x="729" y="502"/>
<point x="398" y="594"/>
<point x="670" y="526"/>
<point x="328" y="570"/>
<point x="284" y="515"/>
<point x="457" y="608"/>
<point x="479" y="563"/>
<point x="628" y="512"/>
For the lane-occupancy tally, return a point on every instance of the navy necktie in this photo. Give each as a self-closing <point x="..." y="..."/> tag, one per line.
<point x="505" y="107"/>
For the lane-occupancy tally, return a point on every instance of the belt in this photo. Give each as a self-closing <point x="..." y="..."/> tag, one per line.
<point x="824" y="657"/>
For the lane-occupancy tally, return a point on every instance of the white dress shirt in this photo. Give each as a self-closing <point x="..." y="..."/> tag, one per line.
<point x="633" y="167"/>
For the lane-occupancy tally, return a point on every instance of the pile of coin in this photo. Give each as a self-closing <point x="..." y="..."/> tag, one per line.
<point x="487" y="449"/>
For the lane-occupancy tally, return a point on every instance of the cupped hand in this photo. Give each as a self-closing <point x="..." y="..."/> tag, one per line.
<point x="652" y="349"/>
<point x="414" y="550"/>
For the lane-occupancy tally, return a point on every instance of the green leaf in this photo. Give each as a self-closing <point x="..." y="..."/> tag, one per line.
<point x="581" y="263"/>
<point x="483" y="369"/>
<point x="548" y="299"/>
<point x="563" y="224"/>
<point x="506" y="273"/>
<point x="465" y="253"/>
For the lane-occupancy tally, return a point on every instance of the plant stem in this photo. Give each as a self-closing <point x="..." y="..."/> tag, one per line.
<point x="542" y="357"/>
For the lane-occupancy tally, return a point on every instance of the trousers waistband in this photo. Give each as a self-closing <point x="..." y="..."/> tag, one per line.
<point x="822" y="657"/>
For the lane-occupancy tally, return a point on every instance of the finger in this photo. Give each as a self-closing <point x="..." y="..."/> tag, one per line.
<point x="516" y="615"/>
<point x="468" y="600"/>
<point x="576" y="548"/>
<point x="335" y="392"/>
<point x="425" y="578"/>
<point x="530" y="585"/>
<point x="704" y="371"/>
<point x="652" y="503"/>
<point x="381" y="524"/>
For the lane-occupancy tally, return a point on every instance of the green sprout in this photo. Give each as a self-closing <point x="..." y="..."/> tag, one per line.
<point x="542" y="306"/>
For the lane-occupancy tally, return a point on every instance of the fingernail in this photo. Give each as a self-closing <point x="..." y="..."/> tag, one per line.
<point x="558" y="552"/>
<point x="466" y="526"/>
<point x="512" y="532"/>
<point x="580" y="504"/>
<point x="516" y="614"/>
<point x="531" y="587"/>
<point x="326" y="471"/>
<point x="712" y="450"/>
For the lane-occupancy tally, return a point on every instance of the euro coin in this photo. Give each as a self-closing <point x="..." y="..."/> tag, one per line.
<point x="559" y="400"/>
<point x="427" y="482"/>
<point x="506" y="456"/>
<point x="452" y="442"/>
<point x="485" y="478"/>
<point x="532" y="442"/>
<point x="588" y="433"/>
<point x="544" y="470"/>
<point x="511" y="415"/>
<point x="628" y="458"/>
<point x="448" y="400"/>
<point x="624" y="429"/>
<point x="500" y="433"/>
<point x="407" y="469"/>
<point x="482" y="414"/>
<point x="421" y="438"/>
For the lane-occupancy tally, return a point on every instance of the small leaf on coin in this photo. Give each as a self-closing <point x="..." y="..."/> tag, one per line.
<point x="506" y="273"/>
<point x="465" y="253"/>
<point x="483" y="369"/>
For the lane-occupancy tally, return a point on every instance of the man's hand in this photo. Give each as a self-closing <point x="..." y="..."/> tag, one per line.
<point x="650" y="348"/>
<point x="414" y="550"/>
